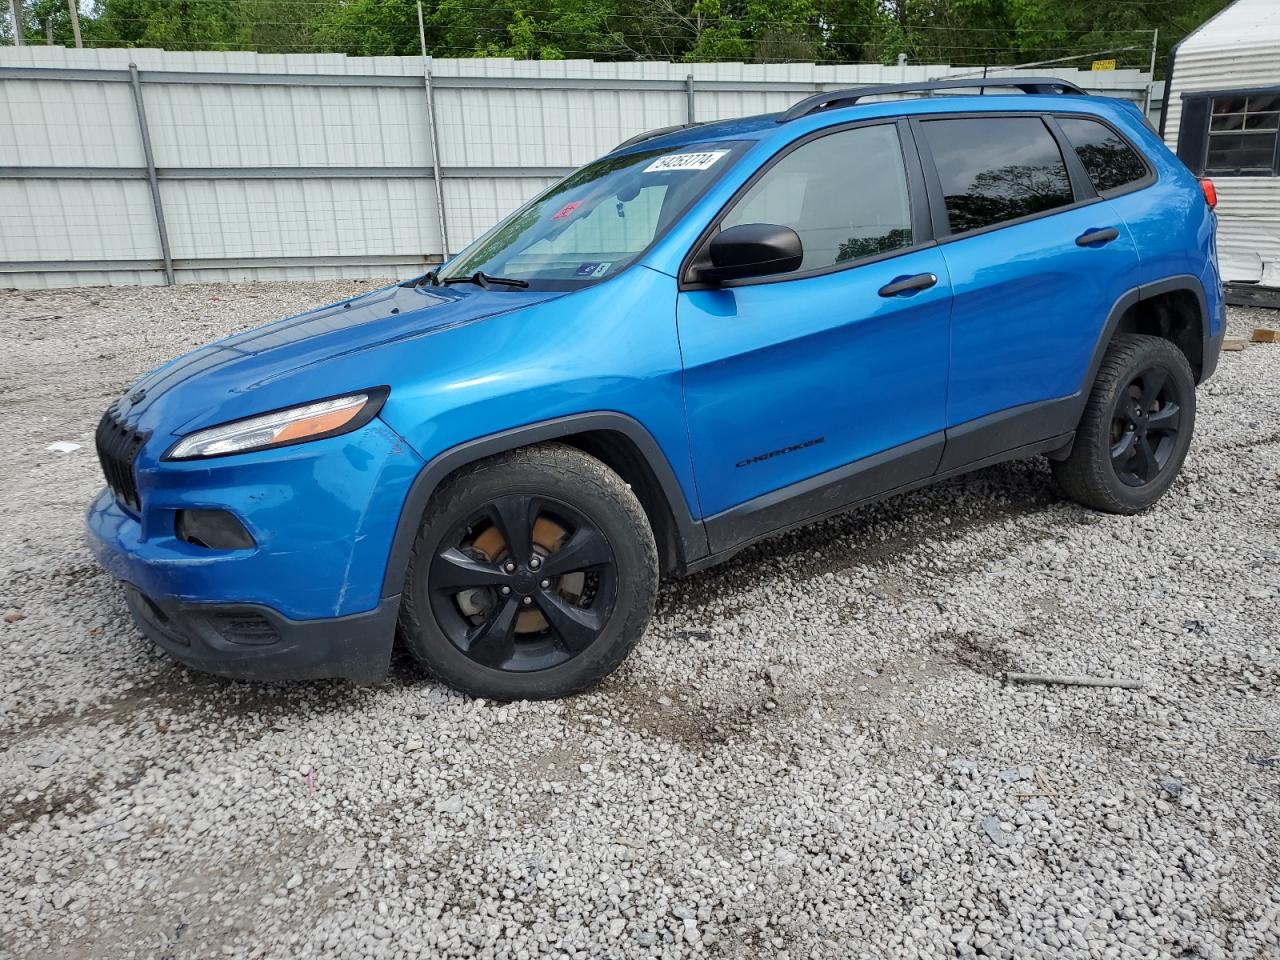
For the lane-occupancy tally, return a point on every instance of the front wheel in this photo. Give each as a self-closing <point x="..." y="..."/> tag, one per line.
<point x="1136" y="427"/>
<point x="533" y="575"/>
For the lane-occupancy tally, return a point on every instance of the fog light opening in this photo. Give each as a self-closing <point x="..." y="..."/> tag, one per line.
<point x="212" y="529"/>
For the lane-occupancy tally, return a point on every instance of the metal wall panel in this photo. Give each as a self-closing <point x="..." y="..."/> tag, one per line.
<point x="60" y="220"/>
<point x="1249" y="229"/>
<point x="243" y="143"/>
<point x="1238" y="49"/>
<point x="69" y="123"/>
<point x="240" y="126"/>
<point x="300" y="218"/>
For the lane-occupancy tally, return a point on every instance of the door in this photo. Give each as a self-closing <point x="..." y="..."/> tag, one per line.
<point x="1119" y="173"/>
<point x="1037" y="260"/>
<point x="807" y="390"/>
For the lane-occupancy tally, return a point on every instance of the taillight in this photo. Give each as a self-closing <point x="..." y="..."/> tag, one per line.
<point x="1210" y="192"/>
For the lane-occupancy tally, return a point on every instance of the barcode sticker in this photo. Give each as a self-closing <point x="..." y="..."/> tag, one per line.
<point x="685" y="161"/>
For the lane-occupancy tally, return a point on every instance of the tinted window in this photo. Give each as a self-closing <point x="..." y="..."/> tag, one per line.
<point x="1110" y="161"/>
<point x="997" y="169"/>
<point x="1243" y="134"/>
<point x="845" y="194"/>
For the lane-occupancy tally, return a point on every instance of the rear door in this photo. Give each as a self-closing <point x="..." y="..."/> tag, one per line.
<point x="808" y="389"/>
<point x="1036" y="258"/>
<point x="1120" y="174"/>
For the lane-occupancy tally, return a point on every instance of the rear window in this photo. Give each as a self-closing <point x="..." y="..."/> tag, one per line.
<point x="1110" y="161"/>
<point x="996" y="169"/>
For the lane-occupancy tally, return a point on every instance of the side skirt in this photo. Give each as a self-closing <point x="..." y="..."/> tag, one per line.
<point x="979" y="440"/>
<point x="860" y="484"/>
<point x="824" y="494"/>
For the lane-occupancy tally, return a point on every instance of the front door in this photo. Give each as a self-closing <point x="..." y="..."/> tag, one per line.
<point x="808" y="390"/>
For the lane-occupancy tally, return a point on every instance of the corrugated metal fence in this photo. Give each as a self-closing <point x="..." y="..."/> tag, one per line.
<point x="147" y="166"/>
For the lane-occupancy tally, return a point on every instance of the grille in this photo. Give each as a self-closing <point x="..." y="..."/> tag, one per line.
<point x="118" y="445"/>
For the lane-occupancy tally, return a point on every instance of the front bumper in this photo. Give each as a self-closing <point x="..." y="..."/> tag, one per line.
<point x="253" y="642"/>
<point x="307" y="595"/>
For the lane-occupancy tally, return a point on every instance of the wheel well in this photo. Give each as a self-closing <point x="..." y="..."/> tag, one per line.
<point x="1173" y="315"/>
<point x="620" y="454"/>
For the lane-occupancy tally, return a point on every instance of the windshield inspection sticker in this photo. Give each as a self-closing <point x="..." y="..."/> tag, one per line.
<point x="685" y="161"/>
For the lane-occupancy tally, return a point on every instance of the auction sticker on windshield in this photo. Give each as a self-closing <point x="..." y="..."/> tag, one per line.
<point x="685" y="161"/>
<point x="566" y="210"/>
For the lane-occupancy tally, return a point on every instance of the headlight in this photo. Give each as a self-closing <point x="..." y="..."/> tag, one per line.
<point x="311" y="421"/>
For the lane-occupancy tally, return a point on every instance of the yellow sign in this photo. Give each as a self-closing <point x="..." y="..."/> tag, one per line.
<point x="1104" y="64"/>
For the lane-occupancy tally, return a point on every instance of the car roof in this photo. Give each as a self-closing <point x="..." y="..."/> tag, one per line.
<point x="839" y="106"/>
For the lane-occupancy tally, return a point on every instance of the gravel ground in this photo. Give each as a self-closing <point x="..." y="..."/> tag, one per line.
<point x="811" y="753"/>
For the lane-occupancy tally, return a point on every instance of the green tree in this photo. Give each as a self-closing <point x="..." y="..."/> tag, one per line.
<point x="530" y="29"/>
<point x="962" y="32"/>
<point x="171" y="24"/>
<point x="367" y="28"/>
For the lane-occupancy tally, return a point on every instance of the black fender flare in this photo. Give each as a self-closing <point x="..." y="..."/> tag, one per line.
<point x="1135" y="295"/>
<point x="690" y="533"/>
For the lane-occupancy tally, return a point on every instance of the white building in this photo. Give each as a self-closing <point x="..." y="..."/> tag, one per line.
<point x="1222" y="116"/>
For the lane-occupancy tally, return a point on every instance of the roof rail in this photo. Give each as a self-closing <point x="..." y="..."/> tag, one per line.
<point x="846" y="98"/>
<point x="660" y="131"/>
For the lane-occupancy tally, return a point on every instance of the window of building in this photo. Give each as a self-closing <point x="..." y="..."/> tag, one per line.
<point x="1244" y="134"/>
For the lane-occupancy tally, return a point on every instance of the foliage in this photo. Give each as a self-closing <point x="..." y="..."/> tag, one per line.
<point x="855" y="248"/>
<point x="975" y="32"/>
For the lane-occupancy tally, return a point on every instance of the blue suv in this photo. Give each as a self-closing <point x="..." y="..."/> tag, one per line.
<point x="712" y="334"/>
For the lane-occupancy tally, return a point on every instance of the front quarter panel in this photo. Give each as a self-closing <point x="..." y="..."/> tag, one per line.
<point x="609" y="347"/>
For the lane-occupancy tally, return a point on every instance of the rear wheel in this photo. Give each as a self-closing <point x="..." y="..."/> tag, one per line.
<point x="533" y="575"/>
<point x="1135" y="430"/>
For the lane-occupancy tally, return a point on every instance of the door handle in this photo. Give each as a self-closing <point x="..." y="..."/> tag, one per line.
<point x="921" y="281"/>
<point x="1096" y="238"/>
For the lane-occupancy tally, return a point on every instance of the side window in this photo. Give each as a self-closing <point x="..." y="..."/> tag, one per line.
<point x="1110" y="161"/>
<point x="845" y="194"/>
<point x="997" y="169"/>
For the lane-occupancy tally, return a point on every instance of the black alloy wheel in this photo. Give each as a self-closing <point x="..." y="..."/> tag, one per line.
<point x="1135" y="429"/>
<point x="1144" y="430"/>
<point x="533" y="575"/>
<point x="526" y="583"/>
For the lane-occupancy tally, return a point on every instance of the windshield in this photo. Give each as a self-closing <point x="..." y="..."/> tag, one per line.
<point x="597" y="220"/>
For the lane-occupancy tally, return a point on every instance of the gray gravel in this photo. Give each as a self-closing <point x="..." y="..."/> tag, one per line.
<point x="809" y="755"/>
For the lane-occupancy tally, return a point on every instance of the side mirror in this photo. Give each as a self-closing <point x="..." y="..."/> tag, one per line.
<point x="752" y="250"/>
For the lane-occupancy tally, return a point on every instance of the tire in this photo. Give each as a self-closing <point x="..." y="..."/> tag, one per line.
<point x="1135" y="430"/>
<point x="511" y="636"/>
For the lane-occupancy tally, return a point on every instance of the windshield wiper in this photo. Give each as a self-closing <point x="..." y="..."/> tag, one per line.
<point x="484" y="280"/>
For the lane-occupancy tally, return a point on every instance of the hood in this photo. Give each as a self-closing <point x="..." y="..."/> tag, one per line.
<point x="310" y="355"/>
